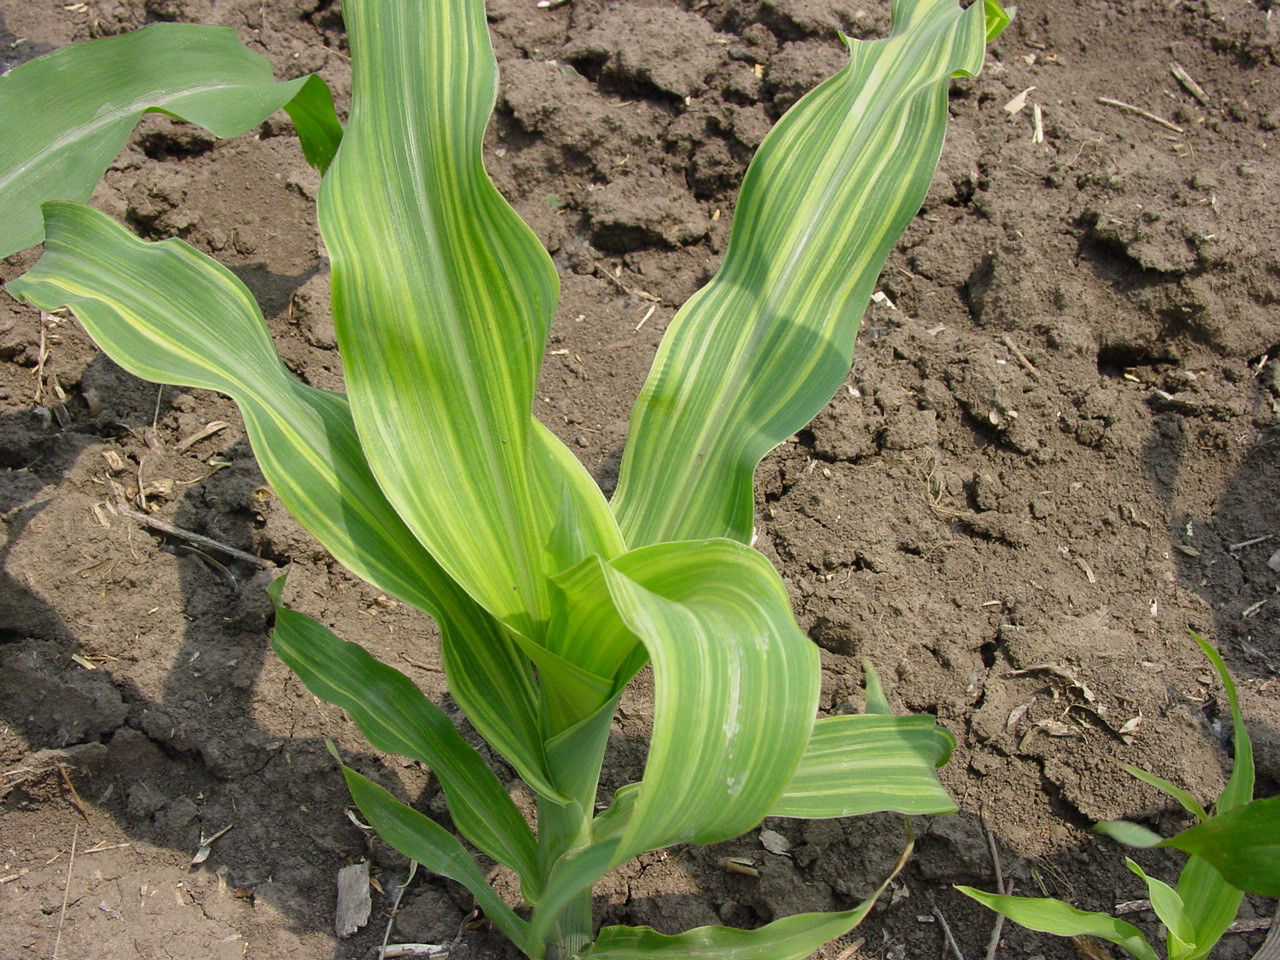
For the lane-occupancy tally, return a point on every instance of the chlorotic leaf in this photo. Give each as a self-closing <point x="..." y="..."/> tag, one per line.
<point x="1129" y="833"/>
<point x="791" y="938"/>
<point x="442" y="302"/>
<point x="755" y="354"/>
<point x="865" y="763"/>
<point x="1168" y="906"/>
<point x="168" y="313"/>
<point x="65" y="116"/>
<point x="735" y="690"/>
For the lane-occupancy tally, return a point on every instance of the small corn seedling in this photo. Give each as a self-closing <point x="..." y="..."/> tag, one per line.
<point x="431" y="479"/>
<point x="1235" y="851"/>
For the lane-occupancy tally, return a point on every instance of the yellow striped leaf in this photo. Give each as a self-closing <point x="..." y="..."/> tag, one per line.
<point x="442" y="302"/>
<point x="167" y="313"/>
<point x="755" y="354"/>
<point x="865" y="763"/>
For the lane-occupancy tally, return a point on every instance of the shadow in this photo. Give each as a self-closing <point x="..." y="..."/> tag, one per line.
<point x="1225" y="555"/>
<point x="168" y="744"/>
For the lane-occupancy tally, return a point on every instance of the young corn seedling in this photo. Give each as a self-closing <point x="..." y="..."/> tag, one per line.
<point x="431" y="479"/>
<point x="1237" y="850"/>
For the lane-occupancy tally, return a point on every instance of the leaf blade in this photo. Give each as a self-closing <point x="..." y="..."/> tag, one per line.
<point x="92" y="94"/>
<point x="791" y="938"/>
<point x="1062" y="920"/>
<point x="168" y="313"/>
<point x="421" y="838"/>
<point x="756" y="353"/>
<point x="396" y="717"/>
<point x="866" y="763"/>
<point x="441" y="383"/>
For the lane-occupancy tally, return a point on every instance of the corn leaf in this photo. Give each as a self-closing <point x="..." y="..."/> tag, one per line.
<point x="735" y="689"/>
<point x="1063" y="920"/>
<point x="395" y="717"/>
<point x="791" y="938"/>
<point x="1243" y="845"/>
<point x="1129" y="833"/>
<point x="755" y="354"/>
<point x="1172" y="912"/>
<point x="1212" y="903"/>
<point x="442" y="301"/>
<point x="865" y="763"/>
<point x="1188" y="802"/>
<point x="65" y="116"/>
<point x="420" y="838"/>
<point x="168" y="313"/>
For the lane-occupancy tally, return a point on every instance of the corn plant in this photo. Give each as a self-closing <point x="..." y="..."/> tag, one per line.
<point x="431" y="479"/>
<point x="1236" y="850"/>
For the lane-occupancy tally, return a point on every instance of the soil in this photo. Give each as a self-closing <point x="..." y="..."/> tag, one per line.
<point x="1056" y="454"/>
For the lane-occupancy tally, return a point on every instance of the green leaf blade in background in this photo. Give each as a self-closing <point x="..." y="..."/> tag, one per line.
<point x="168" y="313"/>
<point x="65" y="116"/>
<point x="1212" y="903"/>
<point x="1243" y="845"/>
<point x="1063" y="920"/>
<point x="442" y="302"/>
<point x="755" y="354"/>
<point x="396" y="717"/>
<point x="866" y="763"/>
<point x="420" y="838"/>
<point x="1168" y="906"/>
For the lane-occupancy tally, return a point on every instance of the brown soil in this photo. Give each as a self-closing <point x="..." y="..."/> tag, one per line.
<point x="1058" y="446"/>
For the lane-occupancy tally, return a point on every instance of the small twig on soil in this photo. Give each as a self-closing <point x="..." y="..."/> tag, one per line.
<point x="1188" y="83"/>
<point x="159" y="525"/>
<point x="1132" y="906"/>
<point x="1249" y="543"/>
<point x="208" y="431"/>
<point x="71" y="790"/>
<point x="994" y="943"/>
<point x="629" y="291"/>
<point x="946" y="930"/>
<point x="1145" y="114"/>
<point x="66" y="892"/>
<point x="551" y="4"/>
<point x="104" y="847"/>
<point x="645" y="318"/>
<point x="395" y="907"/>
<point x="1021" y="357"/>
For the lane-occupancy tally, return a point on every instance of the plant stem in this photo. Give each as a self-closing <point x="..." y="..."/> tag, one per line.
<point x="561" y="829"/>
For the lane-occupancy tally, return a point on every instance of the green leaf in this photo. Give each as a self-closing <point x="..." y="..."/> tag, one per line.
<point x="735" y="689"/>
<point x="864" y="763"/>
<point x="65" y="116"/>
<point x="1063" y="920"/>
<point x="791" y="938"/>
<point x="1189" y="803"/>
<point x="1129" y="833"/>
<point x="167" y="313"/>
<point x="313" y="116"/>
<point x="998" y="19"/>
<point x="1243" y="845"/>
<point x="442" y="302"/>
<point x="395" y="717"/>
<point x="421" y="838"/>
<point x="1171" y="911"/>
<point x="876" y="700"/>
<point x="755" y="354"/>
<point x="1212" y="903"/>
